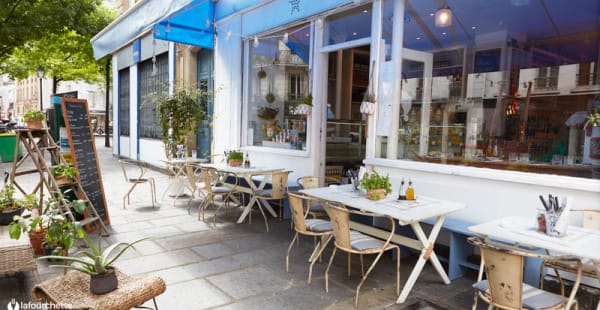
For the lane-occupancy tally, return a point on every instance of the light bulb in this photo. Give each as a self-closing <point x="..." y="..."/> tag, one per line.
<point x="256" y="43"/>
<point x="285" y="37"/>
<point x="443" y="17"/>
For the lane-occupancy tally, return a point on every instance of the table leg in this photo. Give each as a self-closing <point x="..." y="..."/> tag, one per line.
<point x="427" y="253"/>
<point x="254" y="188"/>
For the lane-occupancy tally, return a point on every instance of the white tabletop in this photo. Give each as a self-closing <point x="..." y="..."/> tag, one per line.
<point x="578" y="241"/>
<point x="241" y="170"/>
<point x="405" y="211"/>
<point x="183" y="161"/>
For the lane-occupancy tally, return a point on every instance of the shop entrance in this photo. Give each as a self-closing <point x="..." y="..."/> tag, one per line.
<point x="347" y="82"/>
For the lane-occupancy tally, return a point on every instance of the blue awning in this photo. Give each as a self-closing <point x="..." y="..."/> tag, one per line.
<point x="192" y="25"/>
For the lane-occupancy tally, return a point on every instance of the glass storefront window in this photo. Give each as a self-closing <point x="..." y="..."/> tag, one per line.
<point x="508" y="85"/>
<point x="348" y="26"/>
<point x="278" y="80"/>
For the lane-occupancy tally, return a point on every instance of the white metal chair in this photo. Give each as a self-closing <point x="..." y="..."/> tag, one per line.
<point x="307" y="182"/>
<point x="214" y="185"/>
<point x="504" y="287"/>
<point x="591" y="220"/>
<point x="278" y="191"/>
<point x="140" y="178"/>
<point x="354" y="242"/>
<point x="309" y="227"/>
<point x="194" y="175"/>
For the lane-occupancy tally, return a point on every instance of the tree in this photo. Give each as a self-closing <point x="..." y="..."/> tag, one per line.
<point x="22" y="21"/>
<point x="65" y="55"/>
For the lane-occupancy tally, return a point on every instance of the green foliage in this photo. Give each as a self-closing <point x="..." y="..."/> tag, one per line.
<point x="182" y="112"/>
<point x="235" y="155"/>
<point x="96" y="260"/>
<point x="64" y="170"/>
<point x="28" y="201"/>
<point x="61" y="232"/>
<point x="593" y="119"/>
<point x="7" y="201"/>
<point x="31" y="115"/>
<point x="308" y="100"/>
<point x="375" y="181"/>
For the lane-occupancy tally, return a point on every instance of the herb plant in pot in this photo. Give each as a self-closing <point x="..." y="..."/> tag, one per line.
<point x="61" y="233"/>
<point x="64" y="173"/>
<point x="377" y="186"/>
<point x="235" y="158"/>
<point x="34" y="119"/>
<point x="97" y="263"/>
<point x="303" y="105"/>
<point x="8" y="205"/>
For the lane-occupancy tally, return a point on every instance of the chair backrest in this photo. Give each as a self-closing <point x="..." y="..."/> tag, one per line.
<point x="125" y="163"/>
<point x="340" y="220"/>
<point x="298" y="211"/>
<point x="190" y="171"/>
<point x="504" y="270"/>
<point x="206" y="175"/>
<point x="591" y="219"/>
<point x="279" y="182"/>
<point x="308" y="182"/>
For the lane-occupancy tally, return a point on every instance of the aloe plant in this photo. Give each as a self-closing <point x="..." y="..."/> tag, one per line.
<point x="94" y="261"/>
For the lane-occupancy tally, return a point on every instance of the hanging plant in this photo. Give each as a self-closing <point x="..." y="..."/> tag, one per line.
<point x="270" y="97"/>
<point x="369" y="100"/>
<point x="262" y="73"/>
<point x="180" y="113"/>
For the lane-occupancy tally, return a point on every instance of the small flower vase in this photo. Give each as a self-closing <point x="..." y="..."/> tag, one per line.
<point x="367" y="107"/>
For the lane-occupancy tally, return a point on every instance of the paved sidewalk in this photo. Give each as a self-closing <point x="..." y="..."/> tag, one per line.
<point x="231" y="266"/>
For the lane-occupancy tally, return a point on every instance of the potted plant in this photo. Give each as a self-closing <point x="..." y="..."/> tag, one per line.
<point x="303" y="105"/>
<point x="34" y="119"/>
<point x="369" y="100"/>
<point x="270" y="97"/>
<point x="180" y="113"/>
<point x="8" y="205"/>
<point x="61" y="233"/>
<point x="64" y="173"/>
<point x="235" y="158"/>
<point x="377" y="186"/>
<point x="97" y="263"/>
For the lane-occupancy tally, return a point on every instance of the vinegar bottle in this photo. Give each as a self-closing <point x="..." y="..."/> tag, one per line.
<point x="401" y="193"/>
<point x="410" y="192"/>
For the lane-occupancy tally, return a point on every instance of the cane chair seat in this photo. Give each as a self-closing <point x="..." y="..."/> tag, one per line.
<point x="308" y="182"/>
<point x="278" y="191"/>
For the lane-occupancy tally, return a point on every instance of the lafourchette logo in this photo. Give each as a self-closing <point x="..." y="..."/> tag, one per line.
<point x="13" y="305"/>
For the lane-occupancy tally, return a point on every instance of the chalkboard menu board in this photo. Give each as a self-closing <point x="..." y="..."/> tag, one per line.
<point x="83" y="152"/>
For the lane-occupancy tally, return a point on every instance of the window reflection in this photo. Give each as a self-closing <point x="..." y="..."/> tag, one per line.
<point x="278" y="82"/>
<point x="510" y="88"/>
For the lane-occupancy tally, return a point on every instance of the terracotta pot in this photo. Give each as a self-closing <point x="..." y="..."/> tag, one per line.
<point x="36" y="240"/>
<point x="104" y="283"/>
<point x="376" y="194"/>
<point x="34" y="124"/>
<point x="235" y="162"/>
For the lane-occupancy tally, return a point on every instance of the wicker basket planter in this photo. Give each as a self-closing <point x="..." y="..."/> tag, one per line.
<point x="235" y="162"/>
<point x="34" y="124"/>
<point x="376" y="194"/>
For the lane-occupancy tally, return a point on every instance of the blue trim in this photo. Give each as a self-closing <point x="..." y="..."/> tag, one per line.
<point x="137" y="107"/>
<point x="193" y="25"/>
<point x="118" y="120"/>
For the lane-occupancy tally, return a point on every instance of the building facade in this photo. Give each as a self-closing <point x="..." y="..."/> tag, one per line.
<point x="491" y="102"/>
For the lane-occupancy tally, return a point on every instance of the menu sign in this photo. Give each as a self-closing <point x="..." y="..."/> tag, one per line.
<point x="83" y="152"/>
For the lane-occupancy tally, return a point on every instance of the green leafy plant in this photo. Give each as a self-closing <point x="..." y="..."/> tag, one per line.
<point x="31" y="115"/>
<point x="308" y="100"/>
<point x="64" y="170"/>
<point x="62" y="233"/>
<point x="179" y="114"/>
<point x="29" y="201"/>
<point x="235" y="155"/>
<point x="41" y="220"/>
<point x="593" y="119"/>
<point x="94" y="261"/>
<point x="7" y="201"/>
<point x="371" y="181"/>
<point x="270" y="97"/>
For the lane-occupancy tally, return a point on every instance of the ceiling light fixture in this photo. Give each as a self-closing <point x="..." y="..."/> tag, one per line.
<point x="443" y="16"/>
<point x="286" y="37"/>
<point x="256" y="42"/>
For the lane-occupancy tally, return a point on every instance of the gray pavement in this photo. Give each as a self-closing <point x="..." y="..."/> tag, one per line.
<point x="238" y="266"/>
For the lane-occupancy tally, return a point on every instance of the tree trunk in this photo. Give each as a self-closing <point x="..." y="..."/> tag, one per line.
<point x="107" y="106"/>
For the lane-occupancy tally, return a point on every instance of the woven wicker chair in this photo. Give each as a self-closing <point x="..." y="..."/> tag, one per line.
<point x="591" y="220"/>
<point x="193" y="172"/>
<point x="307" y="182"/>
<point x="504" y="287"/>
<point x="308" y="227"/>
<point x="354" y="242"/>
<point x="130" y="166"/>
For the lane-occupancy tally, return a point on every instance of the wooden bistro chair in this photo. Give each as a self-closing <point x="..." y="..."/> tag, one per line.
<point x="354" y="242"/>
<point x="307" y="182"/>
<point x="308" y="227"/>
<point x="215" y="186"/>
<point x="504" y="287"/>
<point x="591" y="220"/>
<point x="129" y="166"/>
<point x="278" y="192"/>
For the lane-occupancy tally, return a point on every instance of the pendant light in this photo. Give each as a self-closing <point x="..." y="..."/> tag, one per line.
<point x="443" y="16"/>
